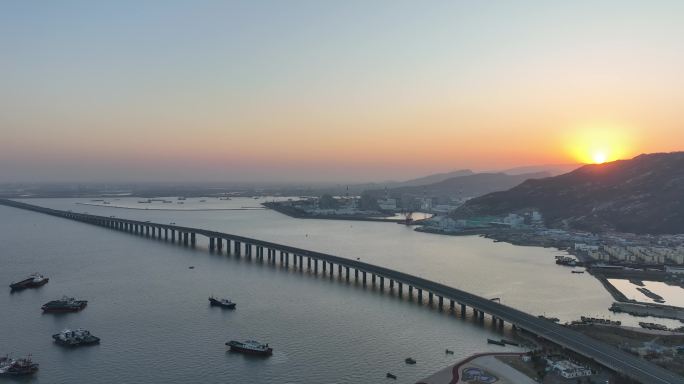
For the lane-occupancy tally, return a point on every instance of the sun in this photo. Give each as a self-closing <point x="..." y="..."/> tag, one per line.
<point x="599" y="157"/>
<point x="599" y="143"/>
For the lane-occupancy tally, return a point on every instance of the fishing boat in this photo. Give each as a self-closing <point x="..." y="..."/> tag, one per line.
<point x="250" y="347"/>
<point x="223" y="303"/>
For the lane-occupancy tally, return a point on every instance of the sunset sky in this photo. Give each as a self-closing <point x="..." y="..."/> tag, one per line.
<point x="332" y="90"/>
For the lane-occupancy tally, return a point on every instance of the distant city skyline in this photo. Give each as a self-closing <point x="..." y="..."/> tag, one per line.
<point x="311" y="91"/>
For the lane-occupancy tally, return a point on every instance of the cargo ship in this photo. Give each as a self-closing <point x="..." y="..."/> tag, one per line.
<point x="65" y="304"/>
<point x="250" y="347"/>
<point x="34" y="280"/>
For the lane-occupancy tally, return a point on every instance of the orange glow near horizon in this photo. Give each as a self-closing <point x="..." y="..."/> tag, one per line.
<point x="600" y="143"/>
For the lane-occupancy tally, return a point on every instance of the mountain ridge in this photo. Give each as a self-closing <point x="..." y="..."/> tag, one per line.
<point x="641" y="195"/>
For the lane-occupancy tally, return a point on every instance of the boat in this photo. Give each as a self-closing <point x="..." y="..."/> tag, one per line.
<point x="658" y="327"/>
<point x="449" y="352"/>
<point x="654" y="296"/>
<point x="65" y="304"/>
<point x="391" y="376"/>
<point x="250" y="347"/>
<point x="510" y="342"/>
<point x="18" y="367"/>
<point x="497" y="342"/>
<point x="410" y="360"/>
<point x="34" y="280"/>
<point x="223" y="303"/>
<point x="577" y="271"/>
<point x="75" y="338"/>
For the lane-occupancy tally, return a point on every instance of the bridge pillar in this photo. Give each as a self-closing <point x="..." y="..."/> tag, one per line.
<point x="463" y="310"/>
<point x="248" y="250"/>
<point x="347" y="272"/>
<point x="391" y="284"/>
<point x="501" y="323"/>
<point x="211" y="244"/>
<point x="294" y="261"/>
<point x="287" y="259"/>
<point x="364" y="278"/>
<point x="308" y="263"/>
<point x="315" y="263"/>
<point x="331" y="269"/>
<point x="324" y="266"/>
<point x="420" y="295"/>
<point x="410" y="293"/>
<point x="173" y="235"/>
<point x="382" y="283"/>
<point x="441" y="303"/>
<point x="193" y="239"/>
<point x="219" y="244"/>
<point x="451" y="305"/>
<point x="356" y="274"/>
<point x="339" y="270"/>
<point x="185" y="238"/>
<point x="401" y="289"/>
<point x="482" y="315"/>
<point x="430" y="298"/>
<point x="237" y="248"/>
<point x="166" y="233"/>
<point x="147" y="230"/>
<point x="373" y="279"/>
<point x="282" y="257"/>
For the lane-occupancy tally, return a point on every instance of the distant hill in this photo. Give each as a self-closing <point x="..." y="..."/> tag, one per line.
<point x="641" y="195"/>
<point x="551" y="169"/>
<point x="431" y="179"/>
<point x="463" y="186"/>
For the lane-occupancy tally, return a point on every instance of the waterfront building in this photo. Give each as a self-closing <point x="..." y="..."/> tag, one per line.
<point x="566" y="368"/>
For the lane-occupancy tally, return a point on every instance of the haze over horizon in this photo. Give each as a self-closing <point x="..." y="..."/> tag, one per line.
<point x="312" y="91"/>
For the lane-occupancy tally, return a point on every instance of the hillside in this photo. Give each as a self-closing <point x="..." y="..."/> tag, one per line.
<point x="641" y="195"/>
<point x="463" y="186"/>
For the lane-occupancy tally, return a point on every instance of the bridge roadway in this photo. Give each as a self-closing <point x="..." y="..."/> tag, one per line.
<point x="606" y="355"/>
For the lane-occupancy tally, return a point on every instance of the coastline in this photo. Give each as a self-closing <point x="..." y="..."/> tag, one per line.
<point x="297" y="214"/>
<point x="171" y="209"/>
<point x="503" y="373"/>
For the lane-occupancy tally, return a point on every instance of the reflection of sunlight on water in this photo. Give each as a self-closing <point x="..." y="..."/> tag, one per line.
<point x="673" y="295"/>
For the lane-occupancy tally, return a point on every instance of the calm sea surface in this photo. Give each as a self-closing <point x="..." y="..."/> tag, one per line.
<point x="153" y="316"/>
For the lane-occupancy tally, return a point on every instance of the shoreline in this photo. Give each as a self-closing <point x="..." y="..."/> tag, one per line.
<point x="451" y="373"/>
<point x="299" y="215"/>
<point x="171" y="209"/>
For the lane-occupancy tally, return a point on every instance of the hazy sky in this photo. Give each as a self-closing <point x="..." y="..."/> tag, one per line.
<point x="332" y="90"/>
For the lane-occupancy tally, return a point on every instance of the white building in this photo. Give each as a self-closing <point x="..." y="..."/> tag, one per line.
<point x="568" y="369"/>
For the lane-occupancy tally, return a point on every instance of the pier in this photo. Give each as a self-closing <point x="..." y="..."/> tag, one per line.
<point x="384" y="279"/>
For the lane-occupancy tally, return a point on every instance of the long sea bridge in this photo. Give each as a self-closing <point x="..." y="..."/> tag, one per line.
<point x="383" y="278"/>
